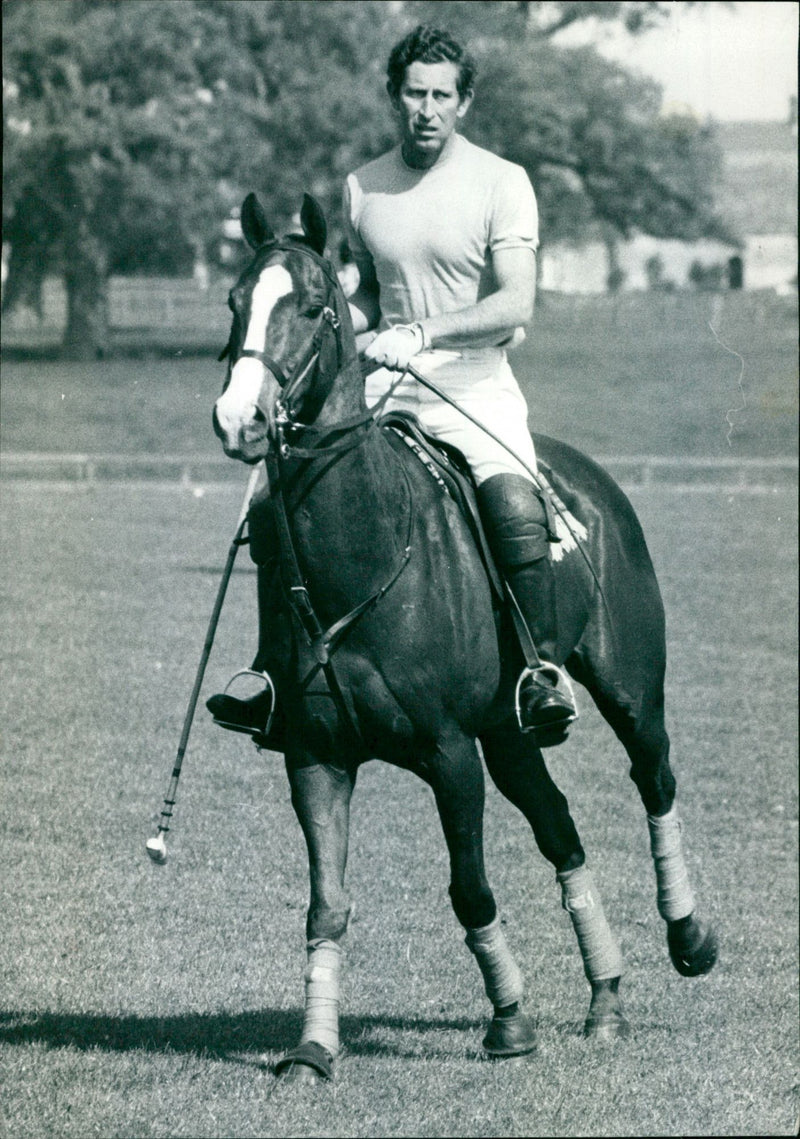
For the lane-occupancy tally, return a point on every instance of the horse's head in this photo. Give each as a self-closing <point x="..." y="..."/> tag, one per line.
<point x="285" y="344"/>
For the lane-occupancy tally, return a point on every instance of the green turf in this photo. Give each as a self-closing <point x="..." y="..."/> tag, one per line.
<point x="146" y="1001"/>
<point x="641" y="374"/>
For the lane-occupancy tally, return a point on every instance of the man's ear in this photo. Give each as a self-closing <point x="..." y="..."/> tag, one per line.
<point x="394" y="99"/>
<point x="465" y="104"/>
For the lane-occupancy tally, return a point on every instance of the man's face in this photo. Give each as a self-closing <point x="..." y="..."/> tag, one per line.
<point x="429" y="106"/>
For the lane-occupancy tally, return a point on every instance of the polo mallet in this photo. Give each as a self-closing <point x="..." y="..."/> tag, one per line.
<point x="156" y="847"/>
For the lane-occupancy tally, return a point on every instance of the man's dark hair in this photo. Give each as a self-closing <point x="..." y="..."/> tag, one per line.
<point x="427" y="44"/>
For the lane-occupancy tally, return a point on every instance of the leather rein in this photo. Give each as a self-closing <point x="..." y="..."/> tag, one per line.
<point x="323" y="642"/>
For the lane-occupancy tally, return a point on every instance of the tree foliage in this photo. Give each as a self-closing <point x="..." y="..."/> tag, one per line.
<point x="131" y="129"/>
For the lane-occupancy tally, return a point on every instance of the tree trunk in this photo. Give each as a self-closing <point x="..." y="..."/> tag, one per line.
<point x="86" y="280"/>
<point x="616" y="274"/>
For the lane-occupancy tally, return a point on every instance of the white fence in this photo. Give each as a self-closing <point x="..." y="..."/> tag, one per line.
<point x="160" y="311"/>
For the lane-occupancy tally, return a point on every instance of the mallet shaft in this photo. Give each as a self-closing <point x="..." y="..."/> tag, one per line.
<point x="169" y="800"/>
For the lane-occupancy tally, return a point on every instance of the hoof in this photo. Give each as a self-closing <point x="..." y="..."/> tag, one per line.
<point x="693" y="946"/>
<point x="510" y="1036"/>
<point x="605" y="1019"/>
<point x="308" y="1063"/>
<point x="607" y="1026"/>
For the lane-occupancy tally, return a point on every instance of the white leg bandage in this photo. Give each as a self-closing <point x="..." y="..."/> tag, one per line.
<point x="675" y="898"/>
<point x="501" y="976"/>
<point x="600" y="951"/>
<point x="321" y="1021"/>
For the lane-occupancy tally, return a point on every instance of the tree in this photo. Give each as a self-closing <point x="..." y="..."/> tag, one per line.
<point x="101" y="120"/>
<point x="133" y="127"/>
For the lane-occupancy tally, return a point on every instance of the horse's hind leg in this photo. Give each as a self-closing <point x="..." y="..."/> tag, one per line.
<point x="321" y="795"/>
<point x="638" y="721"/>
<point x="456" y="777"/>
<point x="518" y="769"/>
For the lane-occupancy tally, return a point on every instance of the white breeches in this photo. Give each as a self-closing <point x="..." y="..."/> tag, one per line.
<point x="481" y="381"/>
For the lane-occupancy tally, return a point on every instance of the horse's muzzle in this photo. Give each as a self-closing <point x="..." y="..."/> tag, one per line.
<point x="247" y="441"/>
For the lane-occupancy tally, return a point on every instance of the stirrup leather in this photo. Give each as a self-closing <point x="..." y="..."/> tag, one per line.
<point x="561" y="679"/>
<point x="268" y="684"/>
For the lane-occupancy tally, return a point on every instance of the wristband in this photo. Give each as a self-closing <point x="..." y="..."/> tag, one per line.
<point x="415" y="326"/>
<point x="419" y="331"/>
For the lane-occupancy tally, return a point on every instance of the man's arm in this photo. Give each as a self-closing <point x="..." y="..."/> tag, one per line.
<point x="491" y="320"/>
<point x="497" y="316"/>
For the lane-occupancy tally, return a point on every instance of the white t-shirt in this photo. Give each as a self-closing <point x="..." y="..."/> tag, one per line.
<point x="430" y="234"/>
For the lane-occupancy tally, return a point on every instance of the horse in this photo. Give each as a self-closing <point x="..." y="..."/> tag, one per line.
<point x="385" y="639"/>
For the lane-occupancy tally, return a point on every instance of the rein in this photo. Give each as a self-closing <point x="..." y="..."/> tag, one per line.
<point x="323" y="642"/>
<point x="345" y="426"/>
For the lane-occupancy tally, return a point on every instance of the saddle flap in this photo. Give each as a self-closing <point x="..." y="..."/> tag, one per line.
<point x="447" y="465"/>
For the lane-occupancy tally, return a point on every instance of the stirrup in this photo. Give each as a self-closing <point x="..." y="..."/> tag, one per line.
<point x="262" y="733"/>
<point x="561" y="679"/>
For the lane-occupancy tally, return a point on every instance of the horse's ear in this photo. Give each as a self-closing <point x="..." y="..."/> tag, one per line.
<point x="314" y="225"/>
<point x="255" y="227"/>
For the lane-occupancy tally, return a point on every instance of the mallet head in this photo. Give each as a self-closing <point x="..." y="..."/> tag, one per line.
<point x="157" y="849"/>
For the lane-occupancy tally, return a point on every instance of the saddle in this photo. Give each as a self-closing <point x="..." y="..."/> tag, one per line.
<point x="448" y="467"/>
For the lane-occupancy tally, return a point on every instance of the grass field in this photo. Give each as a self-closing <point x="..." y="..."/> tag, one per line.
<point x="146" y="1001"/>
<point x="652" y="375"/>
<point x="138" y="1001"/>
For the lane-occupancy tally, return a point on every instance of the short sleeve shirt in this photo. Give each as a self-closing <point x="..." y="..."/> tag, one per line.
<point x="431" y="234"/>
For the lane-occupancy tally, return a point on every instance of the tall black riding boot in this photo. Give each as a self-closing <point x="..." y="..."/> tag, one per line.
<point x="516" y="526"/>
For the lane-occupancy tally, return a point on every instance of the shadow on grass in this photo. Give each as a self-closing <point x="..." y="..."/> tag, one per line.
<point x="214" y="1035"/>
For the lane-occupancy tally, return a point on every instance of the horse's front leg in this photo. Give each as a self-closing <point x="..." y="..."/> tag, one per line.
<point x="456" y="776"/>
<point x="321" y="794"/>
<point x="518" y="769"/>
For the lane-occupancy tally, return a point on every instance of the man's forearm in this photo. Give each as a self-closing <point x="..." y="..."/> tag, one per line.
<point x="491" y="320"/>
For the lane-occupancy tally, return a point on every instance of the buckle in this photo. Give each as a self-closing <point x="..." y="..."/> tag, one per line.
<point x="331" y="317"/>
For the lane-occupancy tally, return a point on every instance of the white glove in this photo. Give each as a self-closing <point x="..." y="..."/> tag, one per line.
<point x="395" y="347"/>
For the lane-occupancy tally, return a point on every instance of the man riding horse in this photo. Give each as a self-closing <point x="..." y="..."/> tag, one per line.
<point x="379" y="621"/>
<point x="444" y="236"/>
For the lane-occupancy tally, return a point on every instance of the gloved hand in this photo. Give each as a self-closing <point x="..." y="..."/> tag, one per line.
<point x="395" y="347"/>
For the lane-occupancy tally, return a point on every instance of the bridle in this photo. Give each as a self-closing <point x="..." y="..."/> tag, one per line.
<point x="286" y="424"/>
<point x="323" y="642"/>
<point x="327" y="323"/>
<point x="307" y="360"/>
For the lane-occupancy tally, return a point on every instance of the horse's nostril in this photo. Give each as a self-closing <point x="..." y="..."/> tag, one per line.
<point x="259" y="416"/>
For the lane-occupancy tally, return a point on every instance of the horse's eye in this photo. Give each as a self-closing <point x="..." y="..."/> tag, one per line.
<point x="313" y="311"/>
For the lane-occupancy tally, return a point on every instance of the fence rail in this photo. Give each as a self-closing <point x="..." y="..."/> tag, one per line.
<point x="166" y="312"/>
<point x="192" y="470"/>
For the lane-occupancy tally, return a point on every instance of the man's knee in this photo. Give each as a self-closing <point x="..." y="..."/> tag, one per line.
<point x="515" y="519"/>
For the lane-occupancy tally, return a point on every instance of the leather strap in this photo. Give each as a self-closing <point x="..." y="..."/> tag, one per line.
<point x="532" y="658"/>
<point x="324" y="642"/>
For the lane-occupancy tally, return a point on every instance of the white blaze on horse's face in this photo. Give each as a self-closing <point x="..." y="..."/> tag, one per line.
<point x="240" y="424"/>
